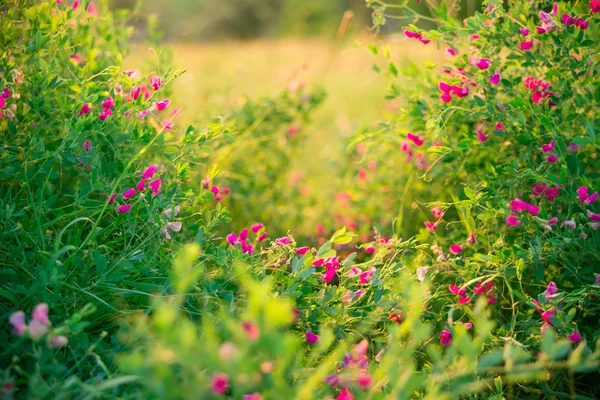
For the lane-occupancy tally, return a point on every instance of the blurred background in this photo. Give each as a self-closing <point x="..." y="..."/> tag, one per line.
<point x="235" y="51"/>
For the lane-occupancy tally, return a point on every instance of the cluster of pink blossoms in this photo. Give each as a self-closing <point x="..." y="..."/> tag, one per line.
<point x="415" y="35"/>
<point x="331" y="265"/>
<point x="9" y="112"/>
<point x="242" y="239"/>
<point x="540" y="90"/>
<point x="542" y="189"/>
<point x="480" y="289"/>
<point x="353" y="368"/>
<point x="37" y="327"/>
<point x="407" y="147"/>
<point x="154" y="186"/>
<point x="218" y="192"/>
<point x="546" y="315"/>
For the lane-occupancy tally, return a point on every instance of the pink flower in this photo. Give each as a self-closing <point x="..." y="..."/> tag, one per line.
<point x="415" y="139"/>
<point x="166" y="124"/>
<point x="331" y="380"/>
<point x="468" y="325"/>
<point x="17" y="320"/>
<point x="567" y="19"/>
<point x="553" y="221"/>
<point x="569" y="224"/>
<point x="494" y="79"/>
<point x="243" y="235"/>
<point x="105" y="114"/>
<point x="585" y="197"/>
<point x="149" y="172"/>
<point x="445" y="337"/>
<point x="551" y="290"/>
<point x="552" y="193"/>
<point x="431" y="226"/>
<point x="548" y="148"/>
<point x="111" y="198"/>
<point x="161" y="105"/>
<point x="156" y="82"/>
<point x="483" y="63"/>
<point x="345" y="394"/>
<point x="397" y="318"/>
<point x="219" y="383"/>
<point x="370" y="249"/>
<point x="108" y="103"/>
<point x="155" y="186"/>
<point x="40" y="314"/>
<point x="75" y="4"/>
<point x="366" y="276"/>
<point x="302" y="250"/>
<point x="252" y="396"/>
<point x="595" y="6"/>
<point x="91" y="10"/>
<point x="135" y="92"/>
<point x="511" y="220"/>
<point x="262" y="237"/>
<point x="5" y="93"/>
<point x="499" y="126"/>
<point x="311" y="337"/>
<point x="456" y="248"/>
<point x="552" y="158"/>
<point x="251" y="330"/>
<point x="85" y="109"/>
<point x="481" y="137"/>
<point x="573" y="147"/>
<point x="594" y="217"/>
<point x="450" y="52"/>
<point x="472" y="238"/>
<point x="364" y="380"/>
<point x="37" y="329"/>
<point x="438" y="212"/>
<point x="129" y="193"/>
<point x="582" y="24"/>
<point x="58" y="341"/>
<point x="446" y="97"/>
<point x="282" y="241"/>
<point x="123" y="208"/>
<point x="457" y="290"/>
<point x="526" y="45"/>
<point x="141" y="184"/>
<point x="87" y="145"/>
<point x="575" y="337"/>
<point x="354" y="271"/>
<point x="257" y="227"/>
<point x="464" y="300"/>
<point x="231" y="238"/>
<point x="524" y="31"/>
<point x="539" y="188"/>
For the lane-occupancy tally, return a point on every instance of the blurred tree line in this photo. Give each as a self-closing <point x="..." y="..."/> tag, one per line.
<point x="204" y="20"/>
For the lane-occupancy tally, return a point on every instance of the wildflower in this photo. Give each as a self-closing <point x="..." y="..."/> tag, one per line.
<point x="551" y="290"/>
<point x="155" y="82"/>
<point x="569" y="224"/>
<point x="123" y="208"/>
<point x="370" y="249"/>
<point x="251" y="330"/>
<point x="431" y="226"/>
<point x="481" y="137"/>
<point x="220" y="383"/>
<point x="345" y="394"/>
<point x="597" y="279"/>
<point x="85" y="109"/>
<point x="567" y="19"/>
<point x="17" y="320"/>
<point x="552" y="193"/>
<point x="526" y="45"/>
<point x="135" y="92"/>
<point x="456" y="248"/>
<point x="594" y="217"/>
<point x="155" y="186"/>
<point x="262" y="237"/>
<point x="253" y="396"/>
<point x="595" y="6"/>
<point x="575" y="337"/>
<point x="87" y="145"/>
<point x="366" y="276"/>
<point x="111" y="198"/>
<point x="553" y="221"/>
<point x="105" y="114"/>
<point x="5" y="93"/>
<point x="499" y="126"/>
<point x="415" y="139"/>
<point x="161" y="105"/>
<point x="149" y="172"/>
<point x="256" y="227"/>
<point x="552" y="158"/>
<point x="396" y="317"/>
<point x="364" y="380"/>
<point x="549" y="147"/>
<point x="438" y="212"/>
<point x="282" y="241"/>
<point x="483" y="63"/>
<point x="582" y="24"/>
<point x="472" y="239"/>
<point x="494" y="79"/>
<point x="302" y="250"/>
<point x="108" y="103"/>
<point x="450" y="52"/>
<point x="573" y="147"/>
<point x="311" y="337"/>
<point x="58" y="341"/>
<point x="243" y="235"/>
<point x="231" y="238"/>
<point x="91" y="10"/>
<point x="166" y="124"/>
<point x="140" y="185"/>
<point x="445" y="337"/>
<point x="75" y="4"/>
<point x="511" y="220"/>
<point x="468" y="325"/>
<point x="171" y="227"/>
<point x="457" y="290"/>
<point x="129" y="193"/>
<point x="585" y="197"/>
<point x="353" y="271"/>
<point x="331" y="380"/>
<point x="421" y="272"/>
<point x="524" y="31"/>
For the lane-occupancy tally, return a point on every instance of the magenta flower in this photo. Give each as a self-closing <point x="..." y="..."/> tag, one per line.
<point x="445" y="338"/>
<point x="472" y="239"/>
<point x="597" y="279"/>
<point x="551" y="290"/>
<point x="149" y="172"/>
<point x="58" y="341"/>
<point x="252" y="396"/>
<point x="552" y="158"/>
<point x="75" y="4"/>
<point x="573" y="147"/>
<point x="345" y="394"/>
<point x="569" y="224"/>
<point x="257" y="227"/>
<point x="282" y="241"/>
<point x="17" y="320"/>
<point x="582" y="24"/>
<point x="481" y="137"/>
<point x="87" y="145"/>
<point x="219" y="383"/>
<point x="5" y="93"/>
<point x="155" y="82"/>
<point x="552" y="193"/>
<point x="431" y="226"/>
<point x="108" y="103"/>
<point x="483" y="63"/>
<point x="457" y="290"/>
<point x="331" y="380"/>
<point x="111" y="198"/>
<point x="140" y="185"/>
<point x="499" y="126"/>
<point x="262" y="237"/>
<point x="585" y="197"/>
<point x="456" y="248"/>
<point x="594" y="217"/>
<point x="302" y="250"/>
<point x="548" y="148"/>
<point x="511" y="220"/>
<point x="123" y="208"/>
<point x="366" y="276"/>
<point x="567" y="19"/>
<point x="575" y="337"/>
<point x="85" y="109"/>
<point x="105" y="114"/>
<point x="526" y="45"/>
<point x="129" y="193"/>
<point x="595" y="6"/>
<point x="91" y="10"/>
<point x="415" y="139"/>
<point x="311" y="337"/>
<point x="40" y="314"/>
<point x="354" y="271"/>
<point x="438" y="212"/>
<point x="364" y="380"/>
<point x="539" y="188"/>
<point x="161" y="105"/>
<point x="494" y="79"/>
<point x="231" y="238"/>
<point x="524" y="31"/>
<point x="155" y="186"/>
<point x="243" y="235"/>
<point x="450" y="52"/>
<point x="135" y="92"/>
